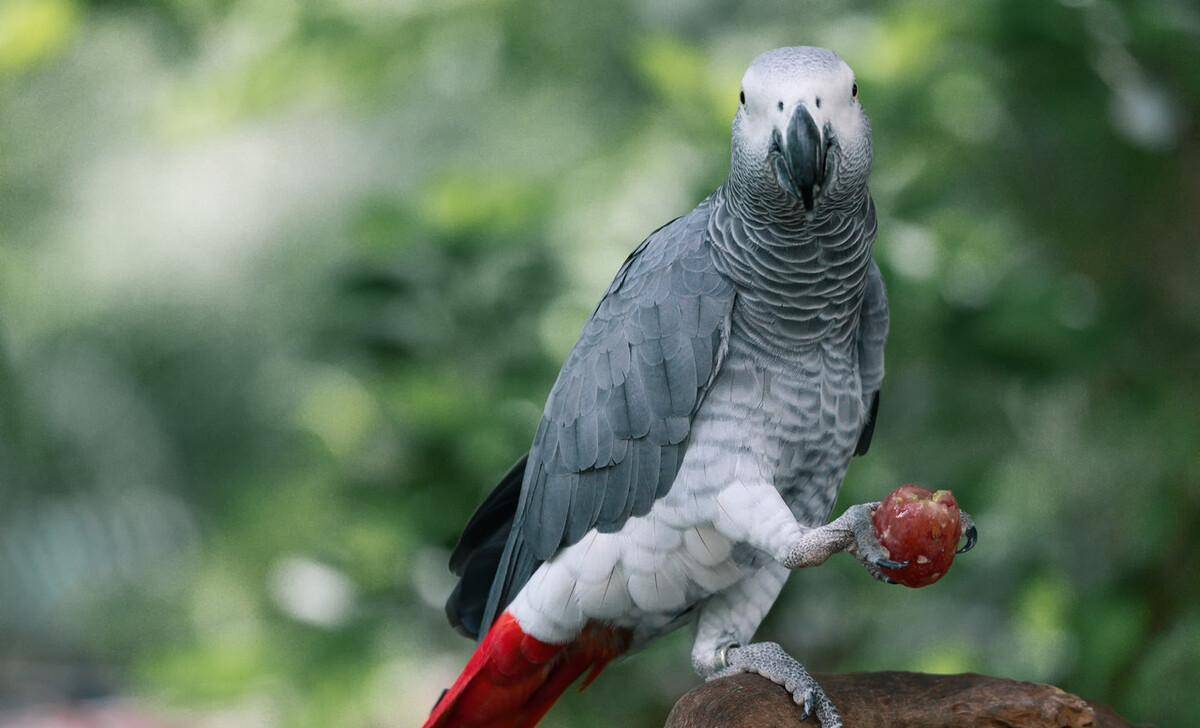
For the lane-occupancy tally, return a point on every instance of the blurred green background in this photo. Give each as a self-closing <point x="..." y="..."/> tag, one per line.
<point x="283" y="286"/>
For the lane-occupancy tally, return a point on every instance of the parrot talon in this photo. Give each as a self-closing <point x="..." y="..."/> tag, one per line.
<point x="890" y="564"/>
<point x="972" y="537"/>
<point x="969" y="530"/>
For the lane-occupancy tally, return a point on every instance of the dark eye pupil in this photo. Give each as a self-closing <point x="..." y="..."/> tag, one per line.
<point x="742" y="97"/>
<point x="854" y="90"/>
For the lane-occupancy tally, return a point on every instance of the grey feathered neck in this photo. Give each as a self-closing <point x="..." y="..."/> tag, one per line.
<point x="800" y="280"/>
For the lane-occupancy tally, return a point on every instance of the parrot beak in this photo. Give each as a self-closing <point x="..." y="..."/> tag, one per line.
<point x="799" y="156"/>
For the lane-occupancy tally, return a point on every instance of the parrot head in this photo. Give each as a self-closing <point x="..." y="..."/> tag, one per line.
<point x="800" y="135"/>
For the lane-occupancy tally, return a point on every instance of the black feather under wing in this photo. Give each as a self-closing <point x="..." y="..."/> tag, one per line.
<point x="477" y="555"/>
<point x="617" y="419"/>
<point x="494" y="514"/>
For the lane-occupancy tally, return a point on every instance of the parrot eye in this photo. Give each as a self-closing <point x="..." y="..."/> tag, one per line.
<point x="742" y="98"/>
<point x="854" y="91"/>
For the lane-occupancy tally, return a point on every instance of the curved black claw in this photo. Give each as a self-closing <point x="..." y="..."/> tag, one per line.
<point x="972" y="537"/>
<point x="889" y="564"/>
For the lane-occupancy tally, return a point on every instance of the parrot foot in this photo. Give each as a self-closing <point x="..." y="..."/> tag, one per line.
<point x="770" y="660"/>
<point x="865" y="545"/>
<point x="853" y="532"/>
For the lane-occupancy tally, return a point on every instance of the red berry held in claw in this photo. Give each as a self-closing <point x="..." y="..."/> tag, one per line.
<point x="919" y="527"/>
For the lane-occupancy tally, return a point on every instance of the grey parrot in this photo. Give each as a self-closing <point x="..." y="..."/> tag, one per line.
<point x="695" y="441"/>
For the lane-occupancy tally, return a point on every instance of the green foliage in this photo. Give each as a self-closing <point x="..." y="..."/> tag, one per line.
<point x="284" y="285"/>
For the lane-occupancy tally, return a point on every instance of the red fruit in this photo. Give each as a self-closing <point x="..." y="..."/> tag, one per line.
<point x="919" y="527"/>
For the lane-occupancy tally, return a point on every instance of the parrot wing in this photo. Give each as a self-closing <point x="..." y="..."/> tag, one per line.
<point x="872" y="338"/>
<point x="615" y="424"/>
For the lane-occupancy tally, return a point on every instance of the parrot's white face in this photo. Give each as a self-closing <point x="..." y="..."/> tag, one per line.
<point x="800" y="129"/>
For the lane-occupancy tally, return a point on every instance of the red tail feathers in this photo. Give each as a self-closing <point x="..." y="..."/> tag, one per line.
<point x="513" y="678"/>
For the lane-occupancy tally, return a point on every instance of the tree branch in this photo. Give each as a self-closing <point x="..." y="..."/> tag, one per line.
<point x="879" y="699"/>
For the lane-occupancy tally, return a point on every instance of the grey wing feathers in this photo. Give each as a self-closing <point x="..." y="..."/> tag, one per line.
<point x="872" y="338"/>
<point x="614" y="425"/>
